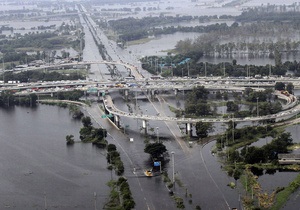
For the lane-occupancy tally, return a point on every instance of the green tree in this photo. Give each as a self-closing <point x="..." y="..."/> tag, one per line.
<point x="85" y="134"/>
<point x="202" y="129"/>
<point x="70" y="139"/>
<point x="197" y="94"/>
<point x="232" y="107"/>
<point x="279" y="86"/>
<point x="290" y="88"/>
<point x="97" y="137"/>
<point x="156" y="149"/>
<point x="253" y="155"/>
<point x="86" y="121"/>
<point x="237" y="173"/>
<point x="218" y="95"/>
<point x="111" y="147"/>
<point x="75" y="111"/>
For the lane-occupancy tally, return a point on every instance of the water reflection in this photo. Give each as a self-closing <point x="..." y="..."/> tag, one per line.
<point x="270" y="171"/>
<point x="257" y="171"/>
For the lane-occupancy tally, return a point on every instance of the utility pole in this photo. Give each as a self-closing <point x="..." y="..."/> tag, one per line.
<point x="45" y="200"/>
<point x="173" y="164"/>
<point x="157" y="134"/>
<point x="172" y="69"/>
<point x="95" y="200"/>
<point x="205" y="69"/>
<point x="188" y="68"/>
<point x="3" y="68"/>
<point x="233" y="128"/>
<point x="257" y="113"/>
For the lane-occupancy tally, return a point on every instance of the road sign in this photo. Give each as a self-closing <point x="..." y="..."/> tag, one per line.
<point x="92" y="90"/>
<point x="107" y="116"/>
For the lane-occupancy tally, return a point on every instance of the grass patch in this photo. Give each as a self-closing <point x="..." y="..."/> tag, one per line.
<point x="176" y="111"/>
<point x="284" y="195"/>
<point x="140" y="41"/>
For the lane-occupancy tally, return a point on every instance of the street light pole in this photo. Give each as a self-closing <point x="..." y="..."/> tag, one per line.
<point x="45" y="201"/>
<point x="205" y="68"/>
<point x="95" y="200"/>
<point x="157" y="135"/>
<point x="173" y="164"/>
<point x="136" y="99"/>
<point x="160" y="166"/>
<point x="3" y="70"/>
<point x="257" y="106"/>
<point x="188" y="68"/>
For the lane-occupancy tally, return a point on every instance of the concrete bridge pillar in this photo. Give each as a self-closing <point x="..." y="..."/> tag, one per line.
<point x="152" y="93"/>
<point x="145" y="126"/>
<point x="126" y="92"/>
<point x="176" y="92"/>
<point x="98" y="94"/>
<point x="189" y="129"/>
<point x="85" y="94"/>
<point x="117" y="120"/>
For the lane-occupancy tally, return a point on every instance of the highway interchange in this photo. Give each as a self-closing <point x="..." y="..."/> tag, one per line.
<point x="195" y="166"/>
<point x="139" y="83"/>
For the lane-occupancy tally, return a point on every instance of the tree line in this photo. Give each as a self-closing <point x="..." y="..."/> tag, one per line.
<point x="35" y="76"/>
<point x="15" y="49"/>
<point x="120" y="196"/>
<point x="176" y="66"/>
<point x="197" y="105"/>
<point x="251" y="38"/>
<point x="8" y="99"/>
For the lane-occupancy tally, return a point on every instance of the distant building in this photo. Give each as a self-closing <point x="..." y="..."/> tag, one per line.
<point x="289" y="158"/>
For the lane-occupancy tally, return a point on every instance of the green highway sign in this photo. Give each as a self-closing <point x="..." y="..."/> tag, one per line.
<point x="107" y="116"/>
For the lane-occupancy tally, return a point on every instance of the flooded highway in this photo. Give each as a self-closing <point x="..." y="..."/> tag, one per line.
<point x="38" y="170"/>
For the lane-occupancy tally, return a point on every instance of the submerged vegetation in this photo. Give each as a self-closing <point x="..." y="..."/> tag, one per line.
<point x="239" y="163"/>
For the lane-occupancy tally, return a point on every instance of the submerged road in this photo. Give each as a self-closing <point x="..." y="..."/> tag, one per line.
<point x="192" y="164"/>
<point x="144" y="192"/>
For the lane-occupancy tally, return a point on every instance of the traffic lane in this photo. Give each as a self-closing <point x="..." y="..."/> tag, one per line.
<point x="114" y="137"/>
<point x="205" y="169"/>
<point x="140" y="160"/>
<point x="146" y="192"/>
<point x="293" y="201"/>
<point x="188" y="173"/>
<point x="206" y="187"/>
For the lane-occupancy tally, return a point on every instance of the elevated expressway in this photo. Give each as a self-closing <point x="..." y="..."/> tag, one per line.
<point x="290" y="109"/>
<point x="145" y="84"/>
<point x="139" y="78"/>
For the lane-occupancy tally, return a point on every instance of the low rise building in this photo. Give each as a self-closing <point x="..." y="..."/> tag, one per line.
<point x="289" y="158"/>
